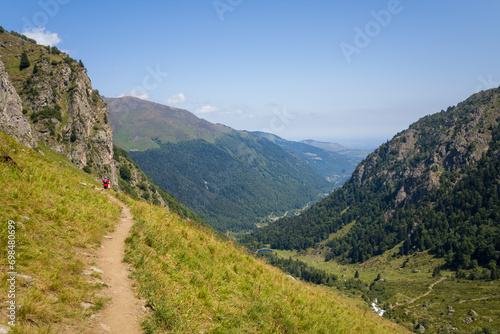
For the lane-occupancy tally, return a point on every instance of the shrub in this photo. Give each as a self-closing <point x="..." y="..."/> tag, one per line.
<point x="68" y="60"/>
<point x="95" y="97"/>
<point x="125" y="173"/>
<point x="73" y="136"/>
<point x="142" y="186"/>
<point x="50" y="113"/>
<point x="55" y="50"/>
<point x="46" y="113"/>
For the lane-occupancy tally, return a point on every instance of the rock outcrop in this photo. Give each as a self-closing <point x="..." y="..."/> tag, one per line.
<point x="12" y="121"/>
<point x="56" y="99"/>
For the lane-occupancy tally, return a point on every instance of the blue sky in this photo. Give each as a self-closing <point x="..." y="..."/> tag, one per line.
<point x="356" y="72"/>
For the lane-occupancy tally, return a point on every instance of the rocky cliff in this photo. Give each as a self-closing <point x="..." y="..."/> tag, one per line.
<point x="412" y="163"/>
<point x="12" y="121"/>
<point x="58" y="101"/>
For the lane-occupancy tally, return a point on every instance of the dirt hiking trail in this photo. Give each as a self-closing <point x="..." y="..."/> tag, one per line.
<point x="123" y="313"/>
<point x="428" y="291"/>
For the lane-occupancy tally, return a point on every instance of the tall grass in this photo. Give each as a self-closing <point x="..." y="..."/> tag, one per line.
<point x="196" y="282"/>
<point x="58" y="221"/>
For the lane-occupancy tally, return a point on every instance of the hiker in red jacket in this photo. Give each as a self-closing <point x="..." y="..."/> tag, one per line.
<point x="105" y="183"/>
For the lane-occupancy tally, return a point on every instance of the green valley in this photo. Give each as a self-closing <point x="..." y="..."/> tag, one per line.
<point x="412" y="292"/>
<point x="233" y="231"/>
<point x="234" y="180"/>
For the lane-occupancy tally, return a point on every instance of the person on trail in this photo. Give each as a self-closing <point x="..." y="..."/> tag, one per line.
<point x="105" y="183"/>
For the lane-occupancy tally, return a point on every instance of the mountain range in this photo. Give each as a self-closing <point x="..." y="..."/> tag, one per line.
<point x="427" y="199"/>
<point x="336" y="147"/>
<point x="55" y="144"/>
<point x="234" y="180"/>
<point x="335" y="166"/>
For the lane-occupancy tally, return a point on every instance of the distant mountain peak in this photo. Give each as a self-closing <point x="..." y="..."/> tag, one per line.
<point x="333" y="147"/>
<point x="139" y="124"/>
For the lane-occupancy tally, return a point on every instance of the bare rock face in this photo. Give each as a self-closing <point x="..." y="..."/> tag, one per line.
<point x="82" y="133"/>
<point x="55" y="97"/>
<point x="12" y="121"/>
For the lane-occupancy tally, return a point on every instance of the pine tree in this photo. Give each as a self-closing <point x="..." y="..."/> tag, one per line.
<point x="25" y="62"/>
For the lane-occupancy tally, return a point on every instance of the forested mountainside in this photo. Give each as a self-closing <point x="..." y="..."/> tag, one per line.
<point x="234" y="183"/>
<point x="432" y="187"/>
<point x="135" y="183"/>
<point x="333" y="166"/>
<point x="232" y="179"/>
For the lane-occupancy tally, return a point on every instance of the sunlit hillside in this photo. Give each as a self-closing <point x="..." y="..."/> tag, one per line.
<point x="193" y="280"/>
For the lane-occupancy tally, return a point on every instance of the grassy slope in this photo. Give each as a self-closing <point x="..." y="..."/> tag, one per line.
<point x="195" y="282"/>
<point x="58" y="221"/>
<point x="408" y="283"/>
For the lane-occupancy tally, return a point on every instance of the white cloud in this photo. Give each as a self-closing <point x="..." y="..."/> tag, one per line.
<point x="176" y="99"/>
<point x="136" y="93"/>
<point x="206" y="109"/>
<point x="42" y="37"/>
